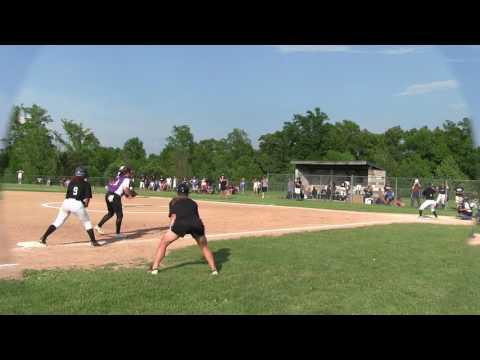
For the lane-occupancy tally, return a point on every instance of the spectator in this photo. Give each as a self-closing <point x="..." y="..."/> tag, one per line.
<point x="194" y="182"/>
<point x="298" y="189"/>
<point x="389" y="196"/>
<point x="223" y="183"/>
<point x="398" y="202"/>
<point x="264" y="185"/>
<point x="416" y="193"/>
<point x="242" y="185"/>
<point x="204" y="185"/>
<point x="20" y="176"/>
<point x="254" y="182"/>
<point x="323" y="193"/>
<point x="329" y="192"/>
<point x="174" y="183"/>
<point x="290" y="189"/>
<point x="368" y="195"/>
<point x="314" y="193"/>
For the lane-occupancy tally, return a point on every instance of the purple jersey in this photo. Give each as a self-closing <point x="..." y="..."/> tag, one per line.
<point x="114" y="185"/>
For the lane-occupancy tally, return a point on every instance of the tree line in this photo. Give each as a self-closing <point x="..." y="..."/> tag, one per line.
<point x="446" y="151"/>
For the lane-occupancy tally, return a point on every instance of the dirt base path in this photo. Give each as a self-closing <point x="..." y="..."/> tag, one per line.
<point x="26" y="215"/>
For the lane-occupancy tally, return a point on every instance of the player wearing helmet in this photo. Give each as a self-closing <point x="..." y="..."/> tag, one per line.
<point x="79" y="193"/>
<point x="184" y="219"/>
<point x="429" y="194"/>
<point x="113" y="198"/>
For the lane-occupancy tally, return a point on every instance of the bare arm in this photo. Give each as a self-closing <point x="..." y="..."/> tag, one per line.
<point x="172" y="219"/>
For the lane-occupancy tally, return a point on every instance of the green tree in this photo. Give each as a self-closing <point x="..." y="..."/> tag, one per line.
<point x="80" y="146"/>
<point x="177" y="155"/>
<point x="30" y="145"/>
<point x="133" y="154"/>
<point x="449" y="168"/>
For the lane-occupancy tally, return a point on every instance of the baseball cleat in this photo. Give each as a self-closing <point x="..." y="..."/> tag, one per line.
<point x="154" y="271"/>
<point x="214" y="272"/>
<point x="99" y="230"/>
<point x="43" y="243"/>
<point x="94" y="243"/>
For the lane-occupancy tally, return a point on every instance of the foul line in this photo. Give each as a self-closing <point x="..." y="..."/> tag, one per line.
<point x="239" y="234"/>
<point x="7" y="265"/>
<point x="50" y="206"/>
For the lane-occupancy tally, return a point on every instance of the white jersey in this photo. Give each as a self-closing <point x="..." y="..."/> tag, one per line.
<point x="124" y="185"/>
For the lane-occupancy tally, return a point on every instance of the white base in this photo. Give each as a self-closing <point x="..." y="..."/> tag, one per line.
<point x="30" y="244"/>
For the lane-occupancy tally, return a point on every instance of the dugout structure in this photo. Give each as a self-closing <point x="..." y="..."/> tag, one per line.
<point x="323" y="173"/>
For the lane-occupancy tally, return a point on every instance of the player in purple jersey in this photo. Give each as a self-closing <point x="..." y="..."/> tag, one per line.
<point x="113" y="198"/>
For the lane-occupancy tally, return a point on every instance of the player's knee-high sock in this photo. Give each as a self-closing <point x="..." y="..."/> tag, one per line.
<point x="118" y="223"/>
<point x="105" y="219"/>
<point x="50" y="230"/>
<point x="91" y="235"/>
<point x="435" y="213"/>
<point x="420" y="212"/>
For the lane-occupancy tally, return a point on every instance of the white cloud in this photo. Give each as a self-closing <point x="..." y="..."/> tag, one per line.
<point x="399" y="51"/>
<point x="417" y="89"/>
<point x="314" y="48"/>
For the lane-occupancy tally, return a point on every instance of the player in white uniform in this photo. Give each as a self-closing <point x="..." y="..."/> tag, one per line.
<point x="20" y="176"/>
<point x="78" y="196"/>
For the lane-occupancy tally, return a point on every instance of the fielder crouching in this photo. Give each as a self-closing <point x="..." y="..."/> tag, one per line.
<point x="79" y="193"/>
<point x="429" y="194"/>
<point x="184" y="219"/>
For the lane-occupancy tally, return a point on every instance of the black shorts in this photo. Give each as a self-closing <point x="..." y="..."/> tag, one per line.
<point x="264" y="189"/>
<point x="114" y="207"/>
<point x="194" y="228"/>
<point x="223" y="187"/>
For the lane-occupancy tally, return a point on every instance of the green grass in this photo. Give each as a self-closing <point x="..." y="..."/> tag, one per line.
<point x="272" y="198"/>
<point x="396" y="269"/>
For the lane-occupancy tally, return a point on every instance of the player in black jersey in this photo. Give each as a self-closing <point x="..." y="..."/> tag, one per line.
<point x="429" y="194"/>
<point x="185" y="219"/>
<point x="76" y="201"/>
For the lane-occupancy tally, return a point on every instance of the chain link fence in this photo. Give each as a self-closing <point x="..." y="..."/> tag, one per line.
<point x="322" y="187"/>
<point x="357" y="188"/>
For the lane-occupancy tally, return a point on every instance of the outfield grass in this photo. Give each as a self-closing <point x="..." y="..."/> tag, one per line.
<point x="272" y="198"/>
<point x="395" y="269"/>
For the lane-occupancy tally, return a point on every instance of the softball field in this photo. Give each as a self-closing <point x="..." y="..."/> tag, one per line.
<point x="25" y="216"/>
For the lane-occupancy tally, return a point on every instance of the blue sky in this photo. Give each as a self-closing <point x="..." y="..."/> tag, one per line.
<point x="126" y="91"/>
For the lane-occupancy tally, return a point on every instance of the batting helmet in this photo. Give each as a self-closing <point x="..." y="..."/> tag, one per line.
<point x="124" y="169"/>
<point x="81" y="171"/>
<point x="182" y="188"/>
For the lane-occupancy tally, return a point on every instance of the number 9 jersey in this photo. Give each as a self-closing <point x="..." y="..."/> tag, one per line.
<point x="79" y="190"/>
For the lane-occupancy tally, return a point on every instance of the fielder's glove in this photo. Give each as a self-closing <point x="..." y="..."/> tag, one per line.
<point x="133" y="193"/>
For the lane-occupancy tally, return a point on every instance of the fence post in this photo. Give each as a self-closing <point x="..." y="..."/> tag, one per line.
<point x="331" y="185"/>
<point x="396" y="188"/>
<point x="351" y="189"/>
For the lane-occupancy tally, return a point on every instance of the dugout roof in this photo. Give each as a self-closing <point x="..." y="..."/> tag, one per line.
<point x="330" y="164"/>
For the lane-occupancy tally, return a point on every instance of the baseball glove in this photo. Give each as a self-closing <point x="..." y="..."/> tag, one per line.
<point x="133" y="193"/>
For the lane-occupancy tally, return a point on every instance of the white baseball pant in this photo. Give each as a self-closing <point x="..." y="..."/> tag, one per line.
<point x="442" y="199"/>
<point x="428" y="203"/>
<point x="76" y="207"/>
